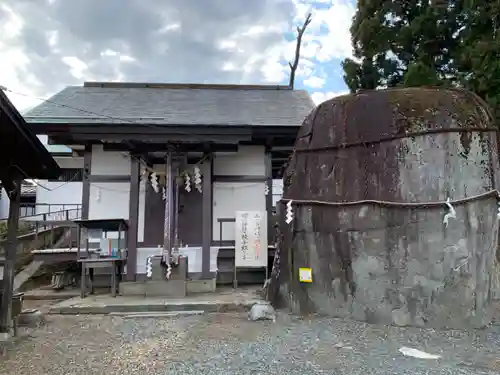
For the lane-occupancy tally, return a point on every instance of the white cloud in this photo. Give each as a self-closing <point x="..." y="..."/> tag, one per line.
<point x="315" y="82"/>
<point x="47" y="45"/>
<point x="13" y="64"/>
<point x="77" y="67"/>
<point x="320" y="97"/>
<point x="337" y="42"/>
<point x="320" y="46"/>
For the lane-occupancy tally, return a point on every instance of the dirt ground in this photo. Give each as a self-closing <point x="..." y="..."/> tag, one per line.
<point x="230" y="344"/>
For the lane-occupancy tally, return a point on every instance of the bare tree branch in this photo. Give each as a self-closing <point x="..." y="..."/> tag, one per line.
<point x="300" y="33"/>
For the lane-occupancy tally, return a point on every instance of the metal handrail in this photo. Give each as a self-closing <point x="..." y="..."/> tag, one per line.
<point x="61" y="215"/>
<point x="59" y="206"/>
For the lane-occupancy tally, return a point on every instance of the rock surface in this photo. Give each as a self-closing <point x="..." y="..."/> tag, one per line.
<point x="368" y="203"/>
<point x="262" y="311"/>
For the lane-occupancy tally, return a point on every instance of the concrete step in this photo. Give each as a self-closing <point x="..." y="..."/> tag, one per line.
<point x="131" y="305"/>
<point x="26" y="274"/>
<point x="168" y="314"/>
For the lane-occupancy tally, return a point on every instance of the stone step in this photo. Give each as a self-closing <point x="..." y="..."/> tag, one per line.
<point x="22" y="277"/>
<point x="145" y="305"/>
<point x="168" y="314"/>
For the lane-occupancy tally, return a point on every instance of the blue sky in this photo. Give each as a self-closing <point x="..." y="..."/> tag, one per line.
<point x="49" y="44"/>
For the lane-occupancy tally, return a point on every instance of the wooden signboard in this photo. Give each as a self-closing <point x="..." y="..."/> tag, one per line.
<point x="251" y="239"/>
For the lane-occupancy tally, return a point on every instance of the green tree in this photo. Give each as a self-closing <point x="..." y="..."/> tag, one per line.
<point x="398" y="42"/>
<point x="478" y="60"/>
<point x="424" y="42"/>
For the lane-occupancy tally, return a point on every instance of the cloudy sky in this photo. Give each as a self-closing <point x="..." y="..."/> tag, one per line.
<point x="48" y="44"/>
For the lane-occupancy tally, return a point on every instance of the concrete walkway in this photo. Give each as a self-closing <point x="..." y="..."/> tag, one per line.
<point x="226" y="300"/>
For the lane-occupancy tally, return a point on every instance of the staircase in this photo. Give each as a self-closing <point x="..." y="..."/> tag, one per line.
<point x="34" y="266"/>
<point x="44" y="231"/>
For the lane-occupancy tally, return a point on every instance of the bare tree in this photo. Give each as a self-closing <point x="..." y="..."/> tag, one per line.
<point x="300" y="33"/>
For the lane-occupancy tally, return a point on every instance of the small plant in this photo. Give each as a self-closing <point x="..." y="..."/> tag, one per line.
<point x="3" y="230"/>
<point x="22" y="229"/>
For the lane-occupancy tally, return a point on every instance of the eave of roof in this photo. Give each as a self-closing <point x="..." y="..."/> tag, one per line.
<point x="40" y="164"/>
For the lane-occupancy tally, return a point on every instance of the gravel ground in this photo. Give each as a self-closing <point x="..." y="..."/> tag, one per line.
<point x="230" y="344"/>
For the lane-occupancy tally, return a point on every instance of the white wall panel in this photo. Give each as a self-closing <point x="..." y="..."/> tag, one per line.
<point x="229" y="197"/>
<point x="57" y="194"/>
<point x="109" y="162"/>
<point x="248" y="161"/>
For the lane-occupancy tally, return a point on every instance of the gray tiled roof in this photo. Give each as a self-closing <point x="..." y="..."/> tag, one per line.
<point x="28" y="190"/>
<point x="175" y="105"/>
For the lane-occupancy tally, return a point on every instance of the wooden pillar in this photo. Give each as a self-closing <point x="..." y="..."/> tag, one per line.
<point x="133" y="218"/>
<point x="269" y="197"/>
<point x="176" y="188"/>
<point x="167" y="225"/>
<point x="14" y="192"/>
<point x="87" y="161"/>
<point x="206" y="172"/>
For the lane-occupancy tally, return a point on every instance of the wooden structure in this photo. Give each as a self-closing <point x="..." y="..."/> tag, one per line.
<point x="22" y="156"/>
<point x="369" y="212"/>
<point x="97" y="258"/>
<point x="180" y="127"/>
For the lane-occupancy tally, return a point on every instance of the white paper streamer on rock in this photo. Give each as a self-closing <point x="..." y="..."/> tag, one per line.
<point x="98" y="194"/>
<point x="164" y="193"/>
<point x="197" y="178"/>
<point x="498" y="212"/>
<point x="410" y="352"/>
<point x="289" y="212"/>
<point x="451" y="213"/>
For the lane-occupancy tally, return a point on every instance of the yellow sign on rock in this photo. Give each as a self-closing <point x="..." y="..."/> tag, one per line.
<point x="305" y="275"/>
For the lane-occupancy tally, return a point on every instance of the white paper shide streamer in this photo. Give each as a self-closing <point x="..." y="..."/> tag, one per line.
<point x="154" y="182"/>
<point x="149" y="267"/>
<point x="197" y="178"/>
<point x="451" y="213"/>
<point x="98" y="194"/>
<point x="187" y="182"/>
<point x="266" y="188"/>
<point x="289" y="212"/>
<point x="169" y="270"/>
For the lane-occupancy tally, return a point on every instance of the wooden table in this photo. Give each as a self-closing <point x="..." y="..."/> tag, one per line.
<point x="90" y="264"/>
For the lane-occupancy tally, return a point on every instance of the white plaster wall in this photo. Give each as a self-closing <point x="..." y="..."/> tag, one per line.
<point x="109" y="200"/>
<point x="113" y="199"/>
<point x="248" y="161"/>
<point x="229" y="197"/>
<point x="109" y="163"/>
<point x="4" y="205"/>
<point x="69" y="162"/>
<point x="277" y="191"/>
<point x="193" y="254"/>
<point x="57" y="193"/>
<point x="142" y="210"/>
